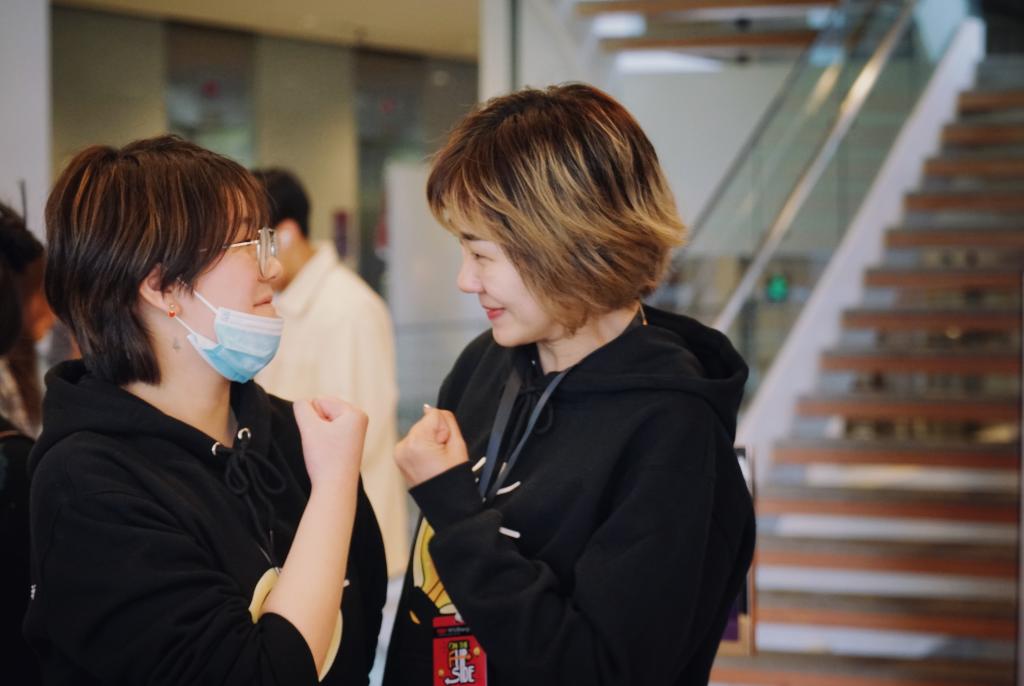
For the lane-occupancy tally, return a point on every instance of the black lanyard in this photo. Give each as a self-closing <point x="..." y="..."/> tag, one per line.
<point x="508" y="399"/>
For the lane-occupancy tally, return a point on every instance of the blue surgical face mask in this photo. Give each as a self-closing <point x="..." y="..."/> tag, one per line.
<point x="245" y="342"/>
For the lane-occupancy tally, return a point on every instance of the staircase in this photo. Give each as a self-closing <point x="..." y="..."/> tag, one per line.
<point x="888" y="551"/>
<point x="736" y="30"/>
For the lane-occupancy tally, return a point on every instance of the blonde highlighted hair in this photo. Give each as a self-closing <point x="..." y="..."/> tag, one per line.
<point x="566" y="182"/>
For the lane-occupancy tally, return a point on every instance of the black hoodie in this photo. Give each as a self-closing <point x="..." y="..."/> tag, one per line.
<point x="148" y="542"/>
<point x="616" y="558"/>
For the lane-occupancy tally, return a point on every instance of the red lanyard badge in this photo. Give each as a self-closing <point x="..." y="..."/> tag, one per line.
<point x="458" y="657"/>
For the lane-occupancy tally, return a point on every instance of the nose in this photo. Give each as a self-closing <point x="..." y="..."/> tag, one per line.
<point x="467" y="280"/>
<point x="273" y="271"/>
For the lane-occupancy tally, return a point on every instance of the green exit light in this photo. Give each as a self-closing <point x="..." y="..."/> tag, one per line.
<point x="777" y="288"/>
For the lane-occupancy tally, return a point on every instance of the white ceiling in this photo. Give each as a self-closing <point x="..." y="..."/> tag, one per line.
<point x="434" y="27"/>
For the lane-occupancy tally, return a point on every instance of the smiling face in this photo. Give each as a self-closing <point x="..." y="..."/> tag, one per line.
<point x="516" y="316"/>
<point x="233" y="282"/>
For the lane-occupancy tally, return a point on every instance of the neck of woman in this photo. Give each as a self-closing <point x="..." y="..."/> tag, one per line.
<point x="199" y="398"/>
<point x="562" y="352"/>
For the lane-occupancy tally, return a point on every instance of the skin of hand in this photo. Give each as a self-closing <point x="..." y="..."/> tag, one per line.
<point x="332" y="433"/>
<point x="433" y="445"/>
<point x="309" y="589"/>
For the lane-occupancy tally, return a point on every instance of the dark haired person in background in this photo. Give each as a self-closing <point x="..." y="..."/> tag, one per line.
<point x="187" y="528"/>
<point x="21" y="282"/>
<point x="24" y="318"/>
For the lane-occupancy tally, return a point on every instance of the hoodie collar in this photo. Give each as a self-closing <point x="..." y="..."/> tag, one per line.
<point x="76" y="401"/>
<point x="673" y="352"/>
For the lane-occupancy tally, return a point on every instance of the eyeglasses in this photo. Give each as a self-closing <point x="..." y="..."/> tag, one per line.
<point x="266" y="248"/>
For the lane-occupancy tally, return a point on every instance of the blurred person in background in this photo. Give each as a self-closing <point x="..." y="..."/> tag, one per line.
<point x="24" y="319"/>
<point x="186" y="527"/>
<point x="21" y="271"/>
<point x="339" y="341"/>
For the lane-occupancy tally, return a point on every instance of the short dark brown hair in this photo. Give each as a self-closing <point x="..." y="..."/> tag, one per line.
<point x="114" y="215"/>
<point x="566" y="182"/>
<point x="287" y="197"/>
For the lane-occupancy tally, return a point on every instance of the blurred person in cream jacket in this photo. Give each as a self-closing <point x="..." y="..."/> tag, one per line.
<point x="338" y="341"/>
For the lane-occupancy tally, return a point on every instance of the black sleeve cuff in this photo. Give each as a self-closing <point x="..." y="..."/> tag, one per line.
<point x="289" y="656"/>
<point x="449" y="497"/>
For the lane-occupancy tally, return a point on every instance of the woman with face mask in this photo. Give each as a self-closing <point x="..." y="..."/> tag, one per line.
<point x="188" y="528"/>
<point x="585" y="517"/>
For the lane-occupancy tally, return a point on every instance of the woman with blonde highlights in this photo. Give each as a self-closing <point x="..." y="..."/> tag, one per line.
<point x="584" y="517"/>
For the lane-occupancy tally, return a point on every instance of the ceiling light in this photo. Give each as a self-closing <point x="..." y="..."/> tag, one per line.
<point x="663" y="62"/>
<point x="619" y="25"/>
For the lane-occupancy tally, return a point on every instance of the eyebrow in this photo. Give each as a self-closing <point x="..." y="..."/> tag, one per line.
<point x="469" y="237"/>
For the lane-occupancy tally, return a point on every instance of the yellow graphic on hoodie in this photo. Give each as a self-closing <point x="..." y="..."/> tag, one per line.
<point x="424" y="574"/>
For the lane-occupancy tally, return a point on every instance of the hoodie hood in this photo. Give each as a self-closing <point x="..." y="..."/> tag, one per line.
<point x="672" y="352"/>
<point x="78" y="401"/>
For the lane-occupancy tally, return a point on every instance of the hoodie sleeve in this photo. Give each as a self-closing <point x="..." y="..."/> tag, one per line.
<point x="629" y="616"/>
<point x="131" y="598"/>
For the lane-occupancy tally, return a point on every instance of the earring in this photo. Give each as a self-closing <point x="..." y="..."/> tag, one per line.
<point x="172" y="312"/>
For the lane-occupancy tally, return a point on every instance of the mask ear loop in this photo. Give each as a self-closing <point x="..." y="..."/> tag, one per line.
<point x="204" y="301"/>
<point x="177" y="317"/>
<point x="190" y="329"/>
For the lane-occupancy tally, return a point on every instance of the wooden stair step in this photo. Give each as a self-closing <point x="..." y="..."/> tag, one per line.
<point x="991" y="100"/>
<point x="882" y="406"/>
<point x="968" y="201"/>
<point x="790" y="499"/>
<point x="941" y="279"/>
<point x="974" y="618"/>
<point x="955" y="237"/>
<point x="795" y="669"/>
<point x="921" y="319"/>
<point x="736" y="39"/>
<point x="987" y="167"/>
<point x="924" y="362"/>
<point x="661" y="7"/>
<point x="987" y="561"/>
<point x="938" y="454"/>
<point x="983" y="134"/>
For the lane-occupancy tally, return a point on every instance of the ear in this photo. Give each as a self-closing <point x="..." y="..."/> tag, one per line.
<point x="151" y="294"/>
<point x="288" y="233"/>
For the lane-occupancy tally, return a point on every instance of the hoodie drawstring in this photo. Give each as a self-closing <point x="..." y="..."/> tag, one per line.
<point x="252" y="477"/>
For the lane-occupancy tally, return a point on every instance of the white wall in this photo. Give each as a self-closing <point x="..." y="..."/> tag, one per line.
<point x="108" y="81"/>
<point x="555" y="46"/>
<point x="423" y="258"/>
<point x="699" y="121"/>
<point x="495" y="75"/>
<point x="305" y="121"/>
<point x="25" y="105"/>
<point x="433" y="319"/>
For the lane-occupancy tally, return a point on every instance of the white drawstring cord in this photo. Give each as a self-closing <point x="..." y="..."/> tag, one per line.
<point x="508" y="489"/>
